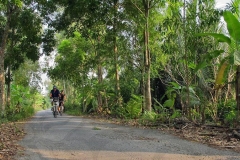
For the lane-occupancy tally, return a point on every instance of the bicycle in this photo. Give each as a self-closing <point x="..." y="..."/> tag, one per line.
<point x="55" y="106"/>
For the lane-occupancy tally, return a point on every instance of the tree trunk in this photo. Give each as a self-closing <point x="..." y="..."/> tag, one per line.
<point x="142" y="86"/>
<point x="147" y="95"/>
<point x="116" y="53"/>
<point x="186" y="108"/>
<point x="9" y="73"/>
<point x="100" y="78"/>
<point x="100" y="75"/>
<point x="2" y="72"/>
<point x="2" y="81"/>
<point x="8" y="86"/>
<point x="238" y="91"/>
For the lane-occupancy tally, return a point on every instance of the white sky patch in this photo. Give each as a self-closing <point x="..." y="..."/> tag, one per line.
<point x="221" y="4"/>
<point x="46" y="62"/>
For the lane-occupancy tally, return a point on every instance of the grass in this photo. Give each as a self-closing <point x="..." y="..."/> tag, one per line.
<point x="96" y="128"/>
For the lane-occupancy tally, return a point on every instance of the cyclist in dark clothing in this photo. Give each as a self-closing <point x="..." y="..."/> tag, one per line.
<point x="54" y="94"/>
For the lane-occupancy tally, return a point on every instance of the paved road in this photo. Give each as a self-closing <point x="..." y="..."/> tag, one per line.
<point x="75" y="138"/>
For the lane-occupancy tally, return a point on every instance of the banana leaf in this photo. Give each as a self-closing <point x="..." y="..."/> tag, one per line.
<point x="237" y="58"/>
<point x="233" y="25"/>
<point x="220" y="74"/>
<point x="206" y="59"/>
<point x="217" y="36"/>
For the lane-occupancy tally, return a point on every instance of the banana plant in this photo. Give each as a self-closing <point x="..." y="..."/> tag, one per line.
<point x="233" y="58"/>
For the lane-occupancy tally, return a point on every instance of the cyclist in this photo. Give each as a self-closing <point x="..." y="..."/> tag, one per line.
<point x="54" y="94"/>
<point x="62" y="99"/>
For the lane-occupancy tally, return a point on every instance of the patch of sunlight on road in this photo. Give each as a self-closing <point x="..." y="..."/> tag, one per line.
<point x="110" y="155"/>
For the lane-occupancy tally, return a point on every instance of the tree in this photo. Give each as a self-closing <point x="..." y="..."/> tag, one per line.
<point x="233" y="58"/>
<point x="98" y="21"/>
<point x="8" y="8"/>
<point x="24" y="23"/>
<point x="184" y="51"/>
<point x="21" y="19"/>
<point x="71" y="62"/>
<point x="147" y="10"/>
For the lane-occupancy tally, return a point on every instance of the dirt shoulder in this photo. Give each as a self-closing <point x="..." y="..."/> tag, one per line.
<point x="10" y="134"/>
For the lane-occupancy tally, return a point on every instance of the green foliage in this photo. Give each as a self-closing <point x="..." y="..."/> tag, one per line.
<point x="24" y="103"/>
<point x="134" y="107"/>
<point x="20" y="94"/>
<point x="73" y="109"/>
<point x="220" y="75"/>
<point x="24" y="113"/>
<point x="129" y="85"/>
<point x="233" y="25"/>
<point x="176" y="114"/>
<point x="207" y="59"/>
<point x="120" y="112"/>
<point x="219" y="37"/>
<point x="70" y="60"/>
<point x="166" y="113"/>
<point x="25" y="35"/>
<point x="174" y="89"/>
<point x="28" y="75"/>
<point x="232" y="58"/>
<point x="15" y="2"/>
<point x="96" y="128"/>
<point x="227" y="111"/>
<point x="230" y="117"/>
<point x="46" y="103"/>
<point x="77" y="58"/>
<point x="74" y="112"/>
<point x="148" y="117"/>
<point x="169" y="103"/>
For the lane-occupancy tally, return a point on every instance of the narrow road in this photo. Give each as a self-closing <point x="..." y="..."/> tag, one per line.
<point x="74" y="138"/>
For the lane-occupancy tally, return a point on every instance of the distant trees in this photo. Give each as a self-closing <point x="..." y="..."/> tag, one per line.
<point x="22" y="35"/>
<point x="111" y="55"/>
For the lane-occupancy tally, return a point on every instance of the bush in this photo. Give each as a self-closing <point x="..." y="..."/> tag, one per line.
<point x="73" y="109"/>
<point x="24" y="113"/>
<point x="119" y="112"/>
<point x="230" y="117"/>
<point x="133" y="107"/>
<point x="148" y="117"/>
<point x="227" y="111"/>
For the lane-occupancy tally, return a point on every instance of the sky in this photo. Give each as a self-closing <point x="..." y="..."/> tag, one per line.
<point x="221" y="3"/>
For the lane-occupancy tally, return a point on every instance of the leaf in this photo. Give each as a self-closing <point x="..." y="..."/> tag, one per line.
<point x="237" y="58"/>
<point x="191" y="90"/>
<point x="201" y="65"/>
<point x="215" y="54"/>
<point x="175" y="85"/>
<point x="20" y="99"/>
<point x="219" y="37"/>
<point x="220" y="74"/>
<point x="169" y="103"/>
<point x="233" y="25"/>
<point x="192" y="65"/>
<point x="207" y="59"/>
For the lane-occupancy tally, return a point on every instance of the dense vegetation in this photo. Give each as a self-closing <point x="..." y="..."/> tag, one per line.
<point x="135" y="59"/>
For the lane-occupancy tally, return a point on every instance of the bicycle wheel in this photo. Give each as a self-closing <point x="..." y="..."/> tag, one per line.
<point x="55" y="112"/>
